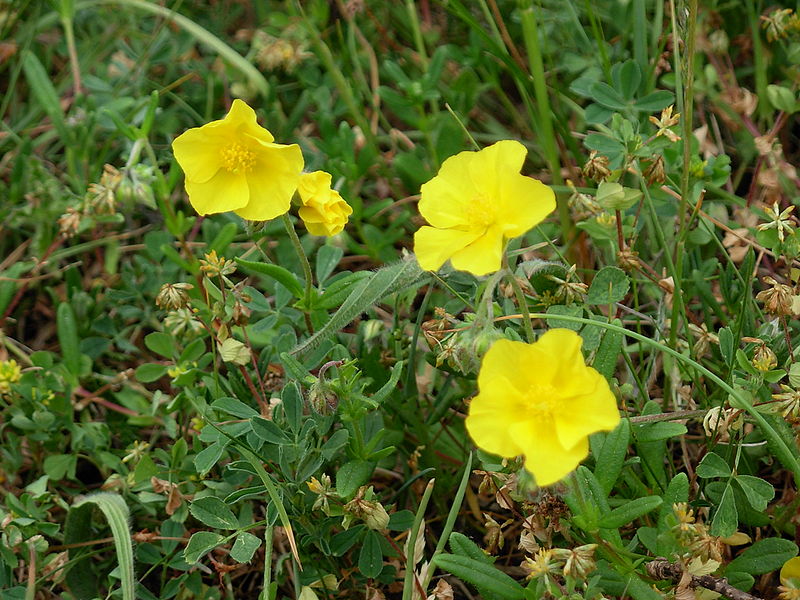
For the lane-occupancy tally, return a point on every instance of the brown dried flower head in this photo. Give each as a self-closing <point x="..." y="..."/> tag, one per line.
<point x="777" y="298"/>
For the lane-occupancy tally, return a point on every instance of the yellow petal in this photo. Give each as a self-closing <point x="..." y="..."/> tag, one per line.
<point x="197" y="152"/>
<point x="272" y="181"/>
<point x="223" y="192"/>
<point x="313" y="185"/>
<point x="494" y="164"/>
<point x="594" y="410"/>
<point x="242" y="120"/>
<point x="790" y="570"/>
<point x="445" y="200"/>
<point x="482" y="256"/>
<point x="524" y="203"/>
<point x="545" y="457"/>
<point x="506" y="359"/>
<point x="491" y="413"/>
<point x="434" y="246"/>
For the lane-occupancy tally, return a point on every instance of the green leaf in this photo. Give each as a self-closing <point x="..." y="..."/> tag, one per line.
<point x="627" y="78"/>
<point x="569" y="311"/>
<point x="205" y="460"/>
<point x="713" y="465"/>
<point x="402" y="276"/>
<point x="739" y="580"/>
<point x="235" y="407"/>
<point x="604" y="94"/>
<point x="213" y="512"/>
<point x="481" y="575"/>
<point x="629" y="511"/>
<point x="607" y="354"/>
<point x="327" y="259"/>
<point x="726" y="344"/>
<point x="59" y="466"/>
<point x="353" y="475"/>
<point x="663" y="430"/>
<point x="388" y="387"/>
<point x="655" y="102"/>
<point x="726" y="518"/>
<point x="611" y="457"/>
<point x="161" y="343"/>
<point x="67" y="330"/>
<point x="677" y="491"/>
<point x="199" y="544"/>
<point x="463" y="546"/>
<point x="223" y="239"/>
<point x="338" y="290"/>
<point x="150" y="372"/>
<point x="42" y="88"/>
<point x="292" y="405"/>
<point x="334" y="443"/>
<point x="608" y="286"/>
<point x="370" y="558"/>
<point x="78" y="529"/>
<point x="757" y="491"/>
<point x="283" y="276"/>
<point x="782" y="98"/>
<point x="268" y="431"/>
<point x="244" y="547"/>
<point x="764" y="556"/>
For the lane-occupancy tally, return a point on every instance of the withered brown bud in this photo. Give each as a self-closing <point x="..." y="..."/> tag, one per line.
<point x="777" y="299"/>
<point x="654" y="173"/>
<point x="596" y="167"/>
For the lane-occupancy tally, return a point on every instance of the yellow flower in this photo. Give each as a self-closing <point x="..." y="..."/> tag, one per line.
<point x="233" y="164"/>
<point x="324" y="211"/>
<point x="10" y="372"/>
<point x="540" y="400"/>
<point x="791" y="571"/>
<point x="477" y="202"/>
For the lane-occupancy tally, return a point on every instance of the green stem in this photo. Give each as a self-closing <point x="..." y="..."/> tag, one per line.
<point x="268" y="531"/>
<point x="527" y="324"/>
<point x="530" y="34"/>
<point x="298" y="246"/>
<point x="408" y="584"/>
<point x="686" y="121"/>
<point x="736" y="399"/>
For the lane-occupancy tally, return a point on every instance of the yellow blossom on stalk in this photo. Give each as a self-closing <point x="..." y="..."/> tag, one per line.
<point x="540" y="400"/>
<point x="10" y="372"/>
<point x="475" y="204"/>
<point x="234" y="165"/>
<point x="324" y="211"/>
<point x="791" y="570"/>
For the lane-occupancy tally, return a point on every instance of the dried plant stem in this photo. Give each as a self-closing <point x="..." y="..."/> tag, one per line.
<point x="661" y="568"/>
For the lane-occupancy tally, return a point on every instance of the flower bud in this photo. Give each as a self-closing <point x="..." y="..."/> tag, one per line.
<point x="370" y="511"/>
<point x="173" y="296"/>
<point x="764" y="359"/>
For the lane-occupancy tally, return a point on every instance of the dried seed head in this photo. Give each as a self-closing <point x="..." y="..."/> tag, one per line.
<point x="654" y="173"/>
<point x="777" y="298"/>
<point x="596" y="167"/>
<point x="173" y="296"/>
<point x="578" y="562"/>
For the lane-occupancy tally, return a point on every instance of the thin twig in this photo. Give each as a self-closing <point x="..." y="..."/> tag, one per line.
<point x="661" y="568"/>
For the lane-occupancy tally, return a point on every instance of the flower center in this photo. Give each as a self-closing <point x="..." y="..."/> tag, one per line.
<point x="236" y="158"/>
<point x="540" y="400"/>
<point x="481" y="213"/>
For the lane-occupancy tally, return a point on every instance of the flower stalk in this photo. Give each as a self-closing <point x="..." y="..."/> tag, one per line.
<point x="301" y="254"/>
